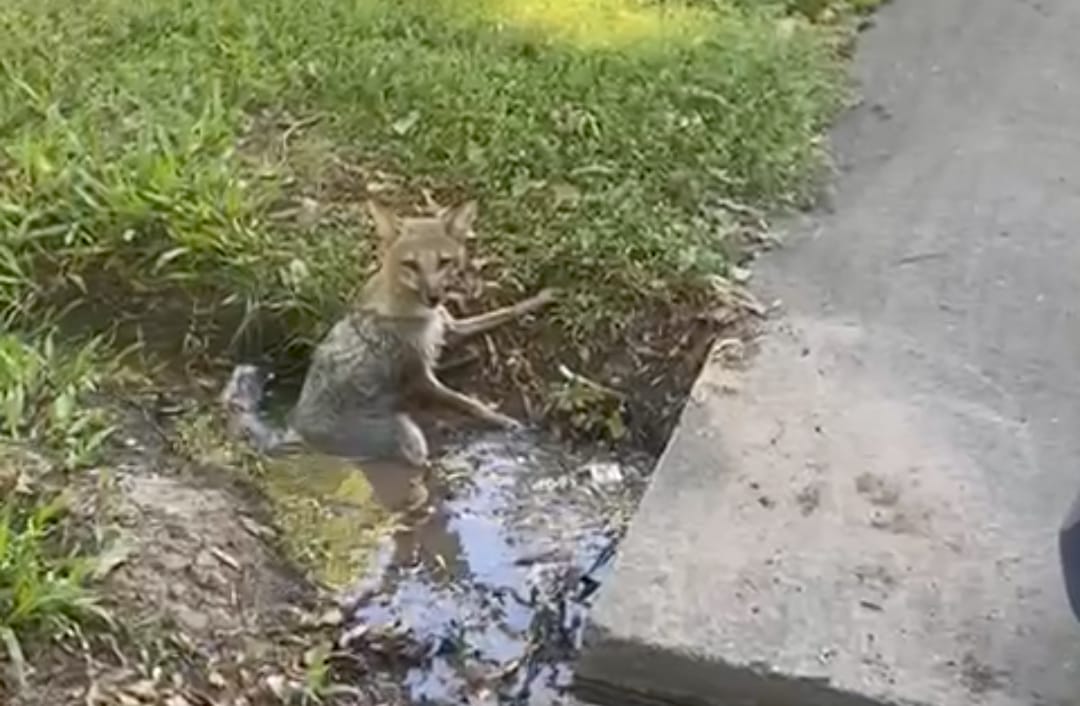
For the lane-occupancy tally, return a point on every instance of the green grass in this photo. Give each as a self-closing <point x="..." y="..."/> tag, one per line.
<point x="43" y="390"/>
<point x="136" y="149"/>
<point x="43" y="405"/>
<point x="43" y="590"/>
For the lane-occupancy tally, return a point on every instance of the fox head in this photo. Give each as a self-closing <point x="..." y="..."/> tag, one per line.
<point x="420" y="255"/>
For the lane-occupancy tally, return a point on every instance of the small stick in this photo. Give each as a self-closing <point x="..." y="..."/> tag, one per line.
<point x="295" y="127"/>
<point x="579" y="379"/>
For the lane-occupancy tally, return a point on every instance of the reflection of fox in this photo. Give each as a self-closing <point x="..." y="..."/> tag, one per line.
<point x="351" y="401"/>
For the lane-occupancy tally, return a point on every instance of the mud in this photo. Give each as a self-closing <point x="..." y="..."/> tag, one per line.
<point x="480" y="597"/>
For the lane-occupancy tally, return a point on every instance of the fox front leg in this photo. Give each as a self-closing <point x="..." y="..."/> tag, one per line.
<point x="481" y="323"/>
<point x="463" y="403"/>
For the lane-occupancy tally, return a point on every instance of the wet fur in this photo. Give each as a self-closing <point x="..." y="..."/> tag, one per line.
<point x="352" y="401"/>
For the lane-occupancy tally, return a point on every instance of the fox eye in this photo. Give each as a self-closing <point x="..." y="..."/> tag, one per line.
<point x="445" y="262"/>
<point x="411" y="265"/>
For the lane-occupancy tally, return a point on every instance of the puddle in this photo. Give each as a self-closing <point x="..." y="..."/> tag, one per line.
<point x="482" y="601"/>
<point x="332" y="516"/>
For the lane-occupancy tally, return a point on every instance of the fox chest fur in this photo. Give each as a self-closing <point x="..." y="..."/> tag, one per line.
<point x="362" y="367"/>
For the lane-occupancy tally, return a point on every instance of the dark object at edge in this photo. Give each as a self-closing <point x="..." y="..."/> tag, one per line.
<point x="1069" y="546"/>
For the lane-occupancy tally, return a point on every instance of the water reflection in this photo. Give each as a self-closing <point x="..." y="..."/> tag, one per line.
<point x="491" y="584"/>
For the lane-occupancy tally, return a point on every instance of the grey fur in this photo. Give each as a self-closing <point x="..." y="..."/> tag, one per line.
<point x="351" y="403"/>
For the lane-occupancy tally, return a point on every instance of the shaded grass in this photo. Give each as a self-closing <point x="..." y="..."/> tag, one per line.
<point x="43" y="389"/>
<point x="123" y="127"/>
<point x="43" y="588"/>
<point x="43" y="579"/>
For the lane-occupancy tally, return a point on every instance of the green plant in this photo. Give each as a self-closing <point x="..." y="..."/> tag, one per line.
<point x="43" y="390"/>
<point x="589" y="410"/>
<point x="41" y="589"/>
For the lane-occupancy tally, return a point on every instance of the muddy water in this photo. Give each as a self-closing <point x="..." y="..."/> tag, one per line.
<point x="480" y="594"/>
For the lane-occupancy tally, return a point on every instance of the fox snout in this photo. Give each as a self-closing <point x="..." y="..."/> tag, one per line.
<point x="431" y="294"/>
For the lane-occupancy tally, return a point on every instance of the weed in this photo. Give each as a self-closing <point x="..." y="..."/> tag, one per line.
<point x="200" y="436"/>
<point x="812" y="9"/>
<point x="43" y="390"/>
<point x="319" y="685"/>
<point x="41" y="589"/>
<point x="590" y="411"/>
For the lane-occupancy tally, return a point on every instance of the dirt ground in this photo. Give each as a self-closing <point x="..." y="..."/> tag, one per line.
<point x="205" y="609"/>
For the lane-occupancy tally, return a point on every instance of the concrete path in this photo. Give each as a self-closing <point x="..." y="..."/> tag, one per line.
<point x="867" y="514"/>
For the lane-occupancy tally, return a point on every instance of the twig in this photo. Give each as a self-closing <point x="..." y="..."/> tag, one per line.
<point x="580" y="379"/>
<point x="739" y="208"/>
<point x="430" y="202"/>
<point x="225" y="558"/>
<point x="739" y="296"/>
<point x="296" y="127"/>
<point x="493" y="355"/>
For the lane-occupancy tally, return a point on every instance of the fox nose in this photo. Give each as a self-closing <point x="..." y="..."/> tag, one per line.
<point x="433" y="296"/>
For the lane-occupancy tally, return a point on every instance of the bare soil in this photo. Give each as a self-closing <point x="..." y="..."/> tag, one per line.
<point x="206" y="610"/>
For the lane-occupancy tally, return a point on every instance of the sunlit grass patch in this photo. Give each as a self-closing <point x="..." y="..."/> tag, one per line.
<point x="604" y="23"/>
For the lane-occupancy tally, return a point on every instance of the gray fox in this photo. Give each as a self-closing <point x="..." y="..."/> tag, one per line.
<point x="351" y="403"/>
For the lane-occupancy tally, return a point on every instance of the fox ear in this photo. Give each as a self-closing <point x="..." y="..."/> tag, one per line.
<point x="386" y="223"/>
<point x="459" y="219"/>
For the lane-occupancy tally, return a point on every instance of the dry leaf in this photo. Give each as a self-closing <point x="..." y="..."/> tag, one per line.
<point x="254" y="528"/>
<point x="330" y="618"/>
<point x="278" y="686"/>
<point x="739" y="274"/>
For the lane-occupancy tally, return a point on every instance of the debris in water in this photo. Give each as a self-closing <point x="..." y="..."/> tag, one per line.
<point x="484" y="601"/>
<point x="604" y="473"/>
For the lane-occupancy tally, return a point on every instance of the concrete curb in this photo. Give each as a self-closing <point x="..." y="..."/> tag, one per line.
<point x="870" y="509"/>
<point x="821" y="532"/>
